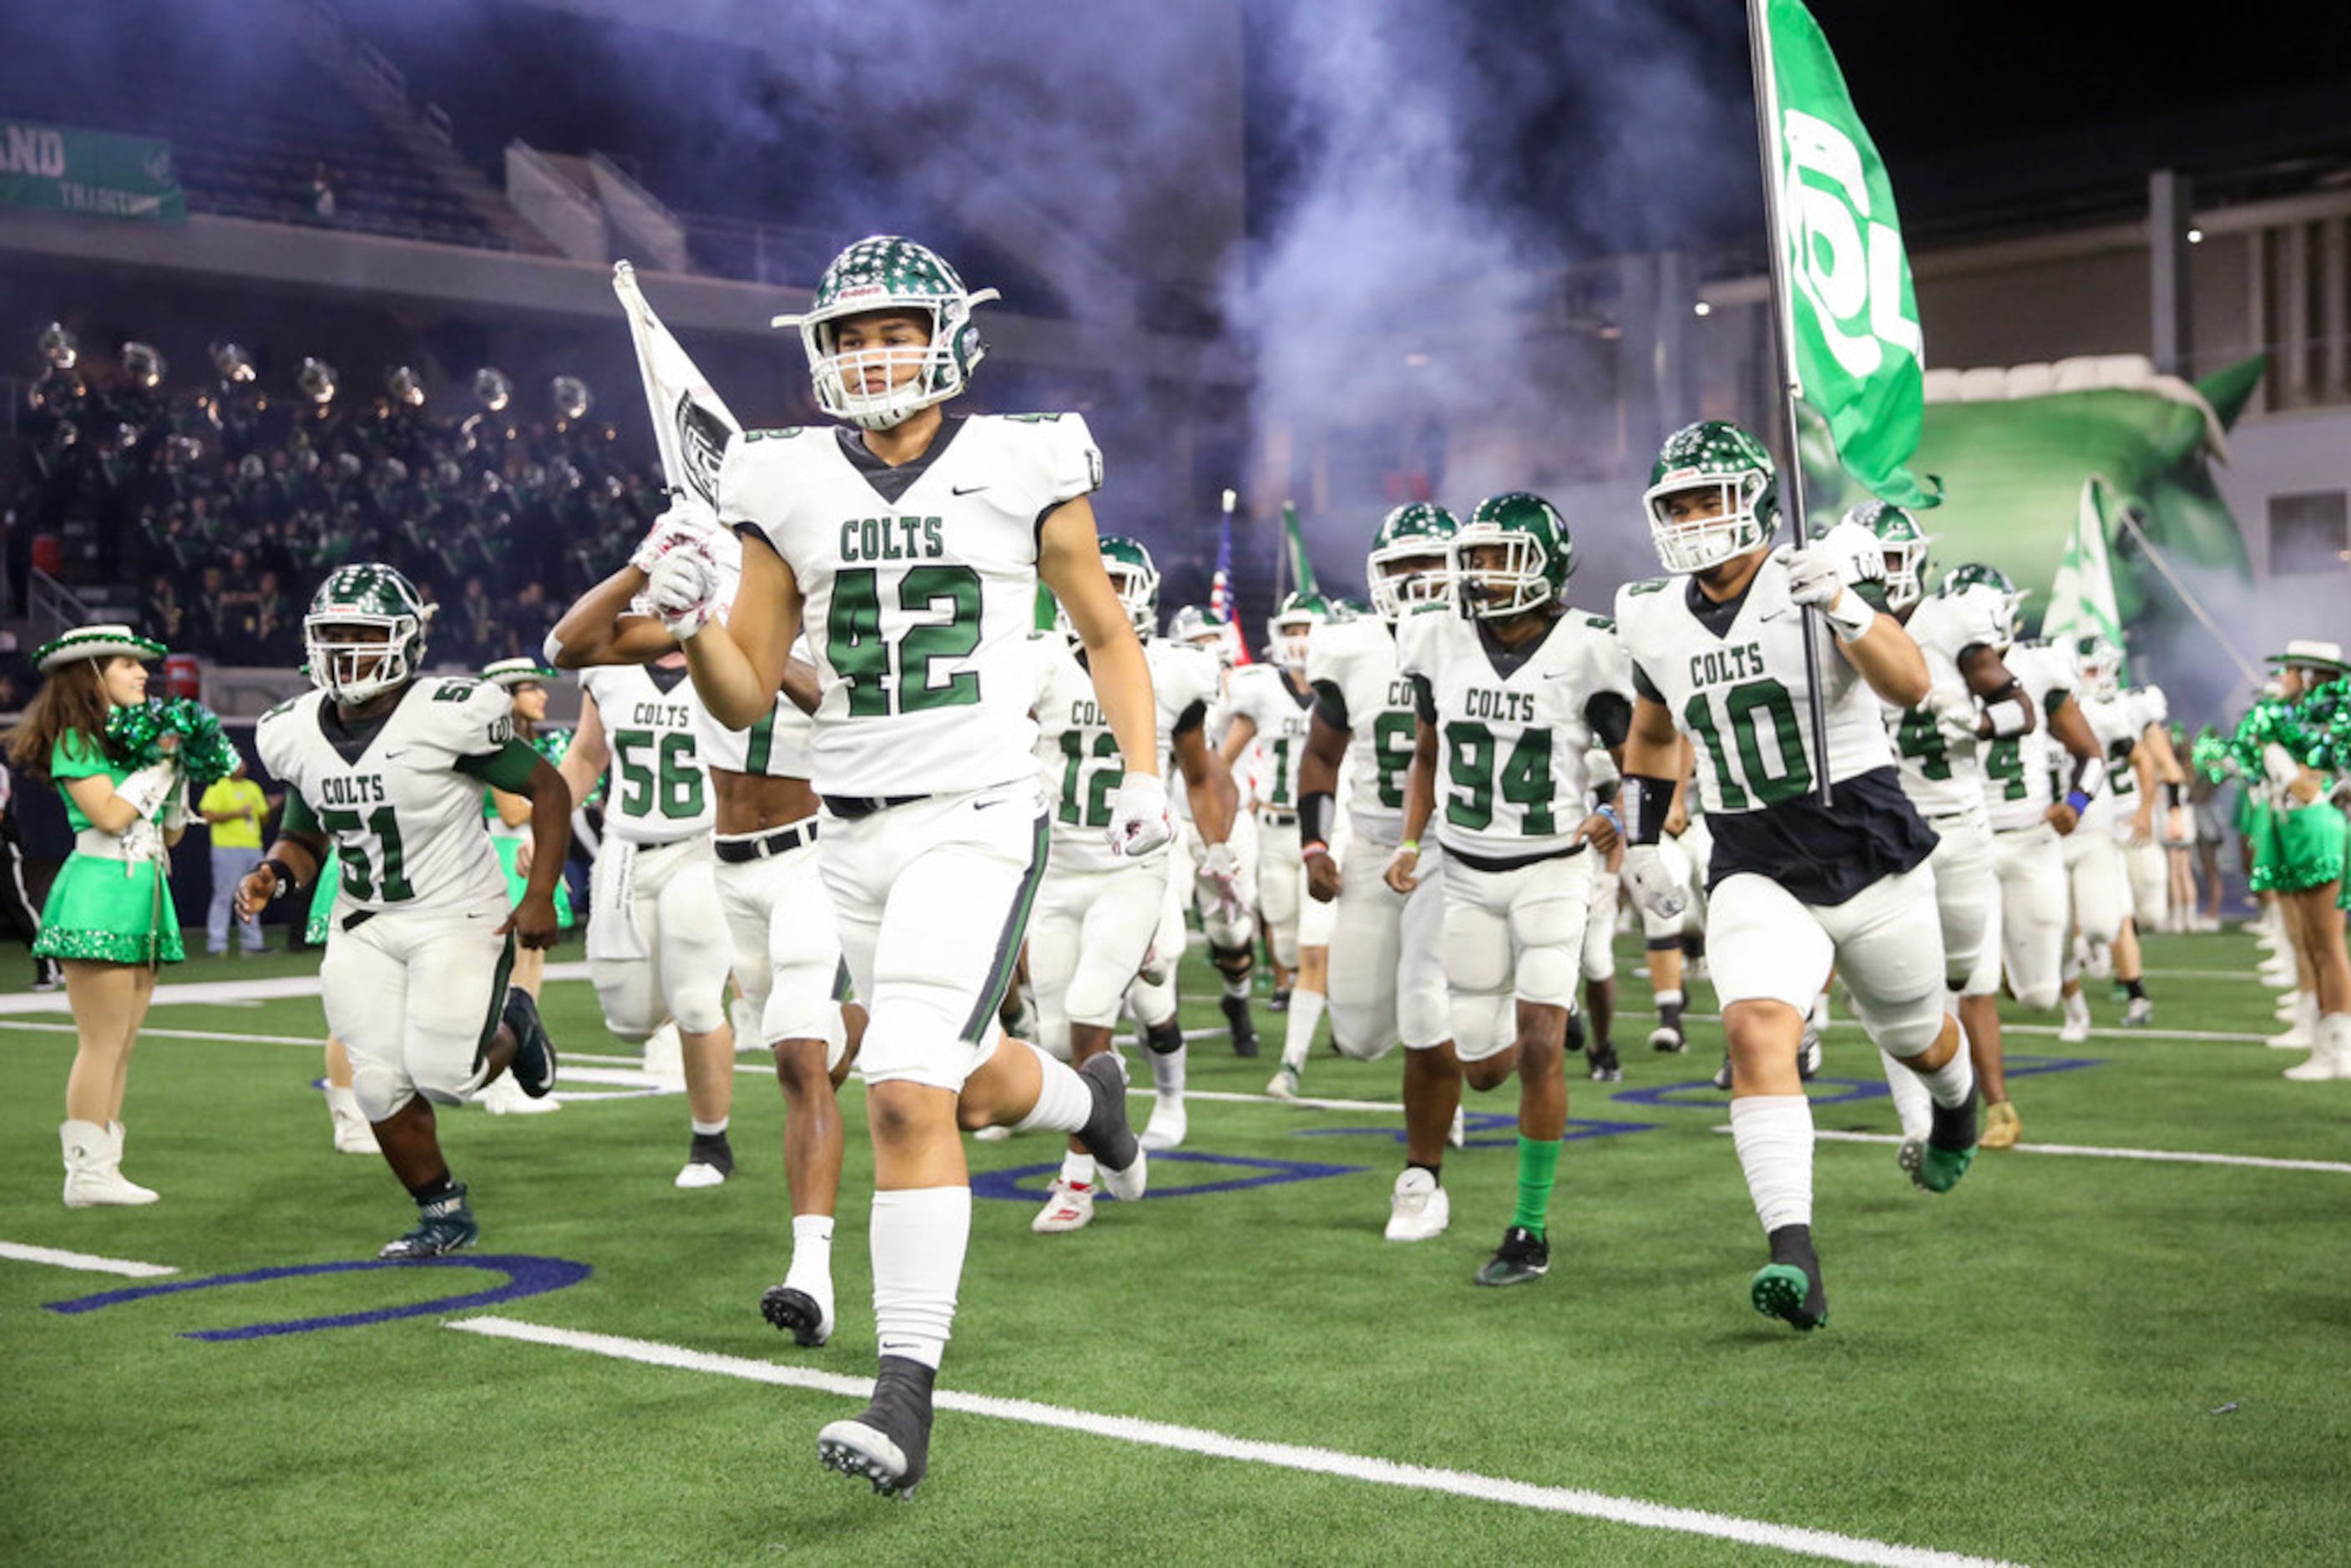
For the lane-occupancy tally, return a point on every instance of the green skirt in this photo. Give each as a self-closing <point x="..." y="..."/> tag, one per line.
<point x="509" y="850"/>
<point x="110" y="912"/>
<point x="2310" y="843"/>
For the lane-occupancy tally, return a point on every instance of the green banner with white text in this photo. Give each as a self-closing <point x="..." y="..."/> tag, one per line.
<point x="60" y="168"/>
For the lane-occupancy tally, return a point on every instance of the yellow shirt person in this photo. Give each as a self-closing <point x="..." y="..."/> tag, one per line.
<point x="235" y="808"/>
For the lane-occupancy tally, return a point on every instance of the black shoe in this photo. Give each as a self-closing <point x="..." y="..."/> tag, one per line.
<point x="710" y="1161"/>
<point x="1606" y="1068"/>
<point x="534" y="1059"/>
<point x="443" y="1225"/>
<point x="889" y="1441"/>
<point x="1281" y="1002"/>
<point x="1789" y="1287"/>
<point x="1522" y="1258"/>
<point x="1236" y="1016"/>
<point x="1107" y="1134"/>
<point x="797" y="1314"/>
<point x="1722" y="1073"/>
<point x="1950" y="1146"/>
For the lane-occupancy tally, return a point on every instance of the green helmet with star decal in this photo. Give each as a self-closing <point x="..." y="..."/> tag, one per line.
<point x="1906" y="550"/>
<point x="1712" y="455"/>
<point x="1411" y="562"/>
<point x="1136" y="580"/>
<point x="1293" y="621"/>
<point x="1538" y="557"/>
<point x="886" y="273"/>
<point x="380" y="620"/>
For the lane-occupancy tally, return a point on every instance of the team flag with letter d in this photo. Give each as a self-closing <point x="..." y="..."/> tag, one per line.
<point x="1851" y="323"/>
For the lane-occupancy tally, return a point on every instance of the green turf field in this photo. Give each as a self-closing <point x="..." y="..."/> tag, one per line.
<point x="2068" y="1360"/>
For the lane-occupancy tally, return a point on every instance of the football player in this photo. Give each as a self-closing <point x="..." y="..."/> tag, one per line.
<point x="389" y="768"/>
<point x="1386" y="971"/>
<point x="658" y="948"/>
<point x="910" y="545"/>
<point x="1973" y="702"/>
<point x="1269" y="705"/>
<point x="1100" y="913"/>
<point x="1229" y="926"/>
<point x="2128" y="724"/>
<point x="1718" y="653"/>
<point x="1510" y="692"/>
<point x="786" y="955"/>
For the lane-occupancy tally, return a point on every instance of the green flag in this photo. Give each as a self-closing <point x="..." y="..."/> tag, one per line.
<point x="1852" y="322"/>
<point x="1293" y="538"/>
<point x="2082" y="594"/>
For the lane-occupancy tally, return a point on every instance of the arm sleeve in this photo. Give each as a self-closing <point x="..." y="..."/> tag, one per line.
<point x="1423" y="698"/>
<point x="508" y="768"/>
<point x="1645" y="686"/>
<point x="299" y="817"/>
<point x="1330" y="703"/>
<point x="1610" y="716"/>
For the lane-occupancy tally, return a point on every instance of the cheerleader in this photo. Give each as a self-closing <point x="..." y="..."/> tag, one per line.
<point x="108" y="920"/>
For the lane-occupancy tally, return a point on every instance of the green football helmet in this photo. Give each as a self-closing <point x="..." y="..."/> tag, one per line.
<point x="1538" y="557"/>
<point x="385" y="609"/>
<point x="1292" y="623"/>
<point x="1712" y="454"/>
<point x="886" y="273"/>
<point x="1906" y="550"/>
<point x="1411" y="560"/>
<point x="2100" y="665"/>
<point x="1974" y="578"/>
<point x="1136" y="580"/>
<point x="1344" y="610"/>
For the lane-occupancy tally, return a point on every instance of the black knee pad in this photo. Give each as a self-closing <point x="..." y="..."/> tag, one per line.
<point x="1232" y="963"/>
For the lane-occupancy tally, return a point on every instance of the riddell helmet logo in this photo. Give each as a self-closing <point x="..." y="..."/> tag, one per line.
<point x="863" y="290"/>
<point x="1679" y="475"/>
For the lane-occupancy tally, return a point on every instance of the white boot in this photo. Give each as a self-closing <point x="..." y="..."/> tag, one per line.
<point x="2302" y="1030"/>
<point x="2331" y="1057"/>
<point x="352" y="1133"/>
<point x="93" y="1156"/>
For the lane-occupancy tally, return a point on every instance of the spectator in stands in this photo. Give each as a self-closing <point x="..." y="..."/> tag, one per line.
<point x="163" y="613"/>
<point x="236" y="809"/>
<point x="326" y="186"/>
<point x="277" y="622"/>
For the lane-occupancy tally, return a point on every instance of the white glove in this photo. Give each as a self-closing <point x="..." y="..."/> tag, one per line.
<point x="142" y="842"/>
<point x="1220" y="873"/>
<point x="1657" y="887"/>
<point x="1955" y="714"/>
<point x="1818" y="576"/>
<point x="176" y="810"/>
<point x="145" y="789"/>
<point x="1138" y="816"/>
<point x="680" y="528"/>
<point x="682" y="590"/>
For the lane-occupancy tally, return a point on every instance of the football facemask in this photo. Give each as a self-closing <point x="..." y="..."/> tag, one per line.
<point x="1735" y="504"/>
<point x="885" y="274"/>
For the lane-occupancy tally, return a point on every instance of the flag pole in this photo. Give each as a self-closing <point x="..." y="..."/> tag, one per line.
<point x="1767" y="105"/>
<point x="2195" y="607"/>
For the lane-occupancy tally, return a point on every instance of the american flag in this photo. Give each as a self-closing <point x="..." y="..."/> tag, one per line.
<point x="1221" y="603"/>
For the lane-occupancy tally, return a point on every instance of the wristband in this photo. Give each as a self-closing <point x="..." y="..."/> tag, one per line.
<point x="1312" y="847"/>
<point x="1410" y="846"/>
<point x="2078" y="800"/>
<point x="1615" y="820"/>
<point x="287" y="881"/>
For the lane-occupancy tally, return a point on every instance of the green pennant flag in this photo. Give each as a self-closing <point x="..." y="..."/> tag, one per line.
<point x="1293" y="538"/>
<point x="2082" y="594"/>
<point x="1852" y="326"/>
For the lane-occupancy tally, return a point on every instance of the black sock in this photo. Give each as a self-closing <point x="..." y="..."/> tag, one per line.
<point x="712" y="1149"/>
<point x="2136" y="990"/>
<point x="1576" y="1034"/>
<point x="1436" y="1173"/>
<point x="433" y="1191"/>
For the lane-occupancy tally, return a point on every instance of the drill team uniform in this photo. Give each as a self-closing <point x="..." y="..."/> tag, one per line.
<point x="919" y="589"/>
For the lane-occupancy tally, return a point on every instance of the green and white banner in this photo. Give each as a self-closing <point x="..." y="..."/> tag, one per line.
<point x="2082" y="594"/>
<point x="60" y="168"/>
<point x="1851" y="325"/>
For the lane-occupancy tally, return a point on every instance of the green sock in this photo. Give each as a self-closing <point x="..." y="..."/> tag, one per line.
<point x="1538" y="1170"/>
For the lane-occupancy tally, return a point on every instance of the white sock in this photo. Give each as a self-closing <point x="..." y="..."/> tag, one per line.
<point x="1167" y="1072"/>
<point x="342" y="1102"/>
<point x="918" y="1241"/>
<point x="811" y="1248"/>
<point x="2077" y="1007"/>
<point x="1911" y="1101"/>
<point x="1078" y="1169"/>
<point x="1064" y="1102"/>
<point x="1305" y="1015"/>
<point x="1952" y="1083"/>
<point x="708" y="1129"/>
<point x="1774" y="1134"/>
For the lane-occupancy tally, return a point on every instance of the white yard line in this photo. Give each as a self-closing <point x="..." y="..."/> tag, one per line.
<point x="1283" y="1456"/>
<point x="87" y="1262"/>
<point x="2163" y="1157"/>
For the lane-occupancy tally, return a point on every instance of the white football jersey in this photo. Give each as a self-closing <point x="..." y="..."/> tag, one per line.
<point x="1263" y="694"/>
<point x="405" y="820"/>
<point x="654" y="722"/>
<point x="1077" y="754"/>
<point x="1942" y="774"/>
<point x="919" y="586"/>
<point x="2118" y="722"/>
<point x="1512" y="727"/>
<point x="1740" y="691"/>
<point x="1359" y="658"/>
<point x="2018" y="771"/>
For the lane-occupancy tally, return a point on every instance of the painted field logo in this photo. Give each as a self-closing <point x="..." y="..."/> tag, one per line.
<point x="1848" y="263"/>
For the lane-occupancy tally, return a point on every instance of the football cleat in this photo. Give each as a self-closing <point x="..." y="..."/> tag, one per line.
<point x="1606" y="1068"/>
<point x="805" y="1315"/>
<point x="1789" y="1287"/>
<point x="887" y="1442"/>
<point x="443" y="1225"/>
<point x="1071" y="1206"/>
<point x="1117" y="1153"/>
<point x="2140" y="1014"/>
<point x="1419" y="1208"/>
<point x="1522" y="1259"/>
<point x="2076" y="1027"/>
<point x="710" y="1161"/>
<point x="1279" y="1001"/>
<point x="2002" y="1126"/>
<point x="1285" y="1084"/>
<point x="1236" y="1018"/>
<point x="1909" y="1156"/>
<point x="1722" y="1073"/>
<point x="533" y="1069"/>
<point x="1168" y="1125"/>
<point x="1950" y="1147"/>
<point x="503" y="1096"/>
<point x="1667" y="1038"/>
<point x="995" y="1135"/>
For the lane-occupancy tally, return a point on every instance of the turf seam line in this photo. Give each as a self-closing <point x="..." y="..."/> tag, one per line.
<point x="87" y="1262"/>
<point x="1631" y="1512"/>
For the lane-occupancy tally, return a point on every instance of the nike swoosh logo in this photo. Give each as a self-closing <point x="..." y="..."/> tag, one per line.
<point x="400" y="751"/>
<point x="967" y="489"/>
<point x="984" y="805"/>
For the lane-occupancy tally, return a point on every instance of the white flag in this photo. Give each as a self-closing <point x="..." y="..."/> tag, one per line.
<point x="691" y="422"/>
<point x="2081" y="595"/>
